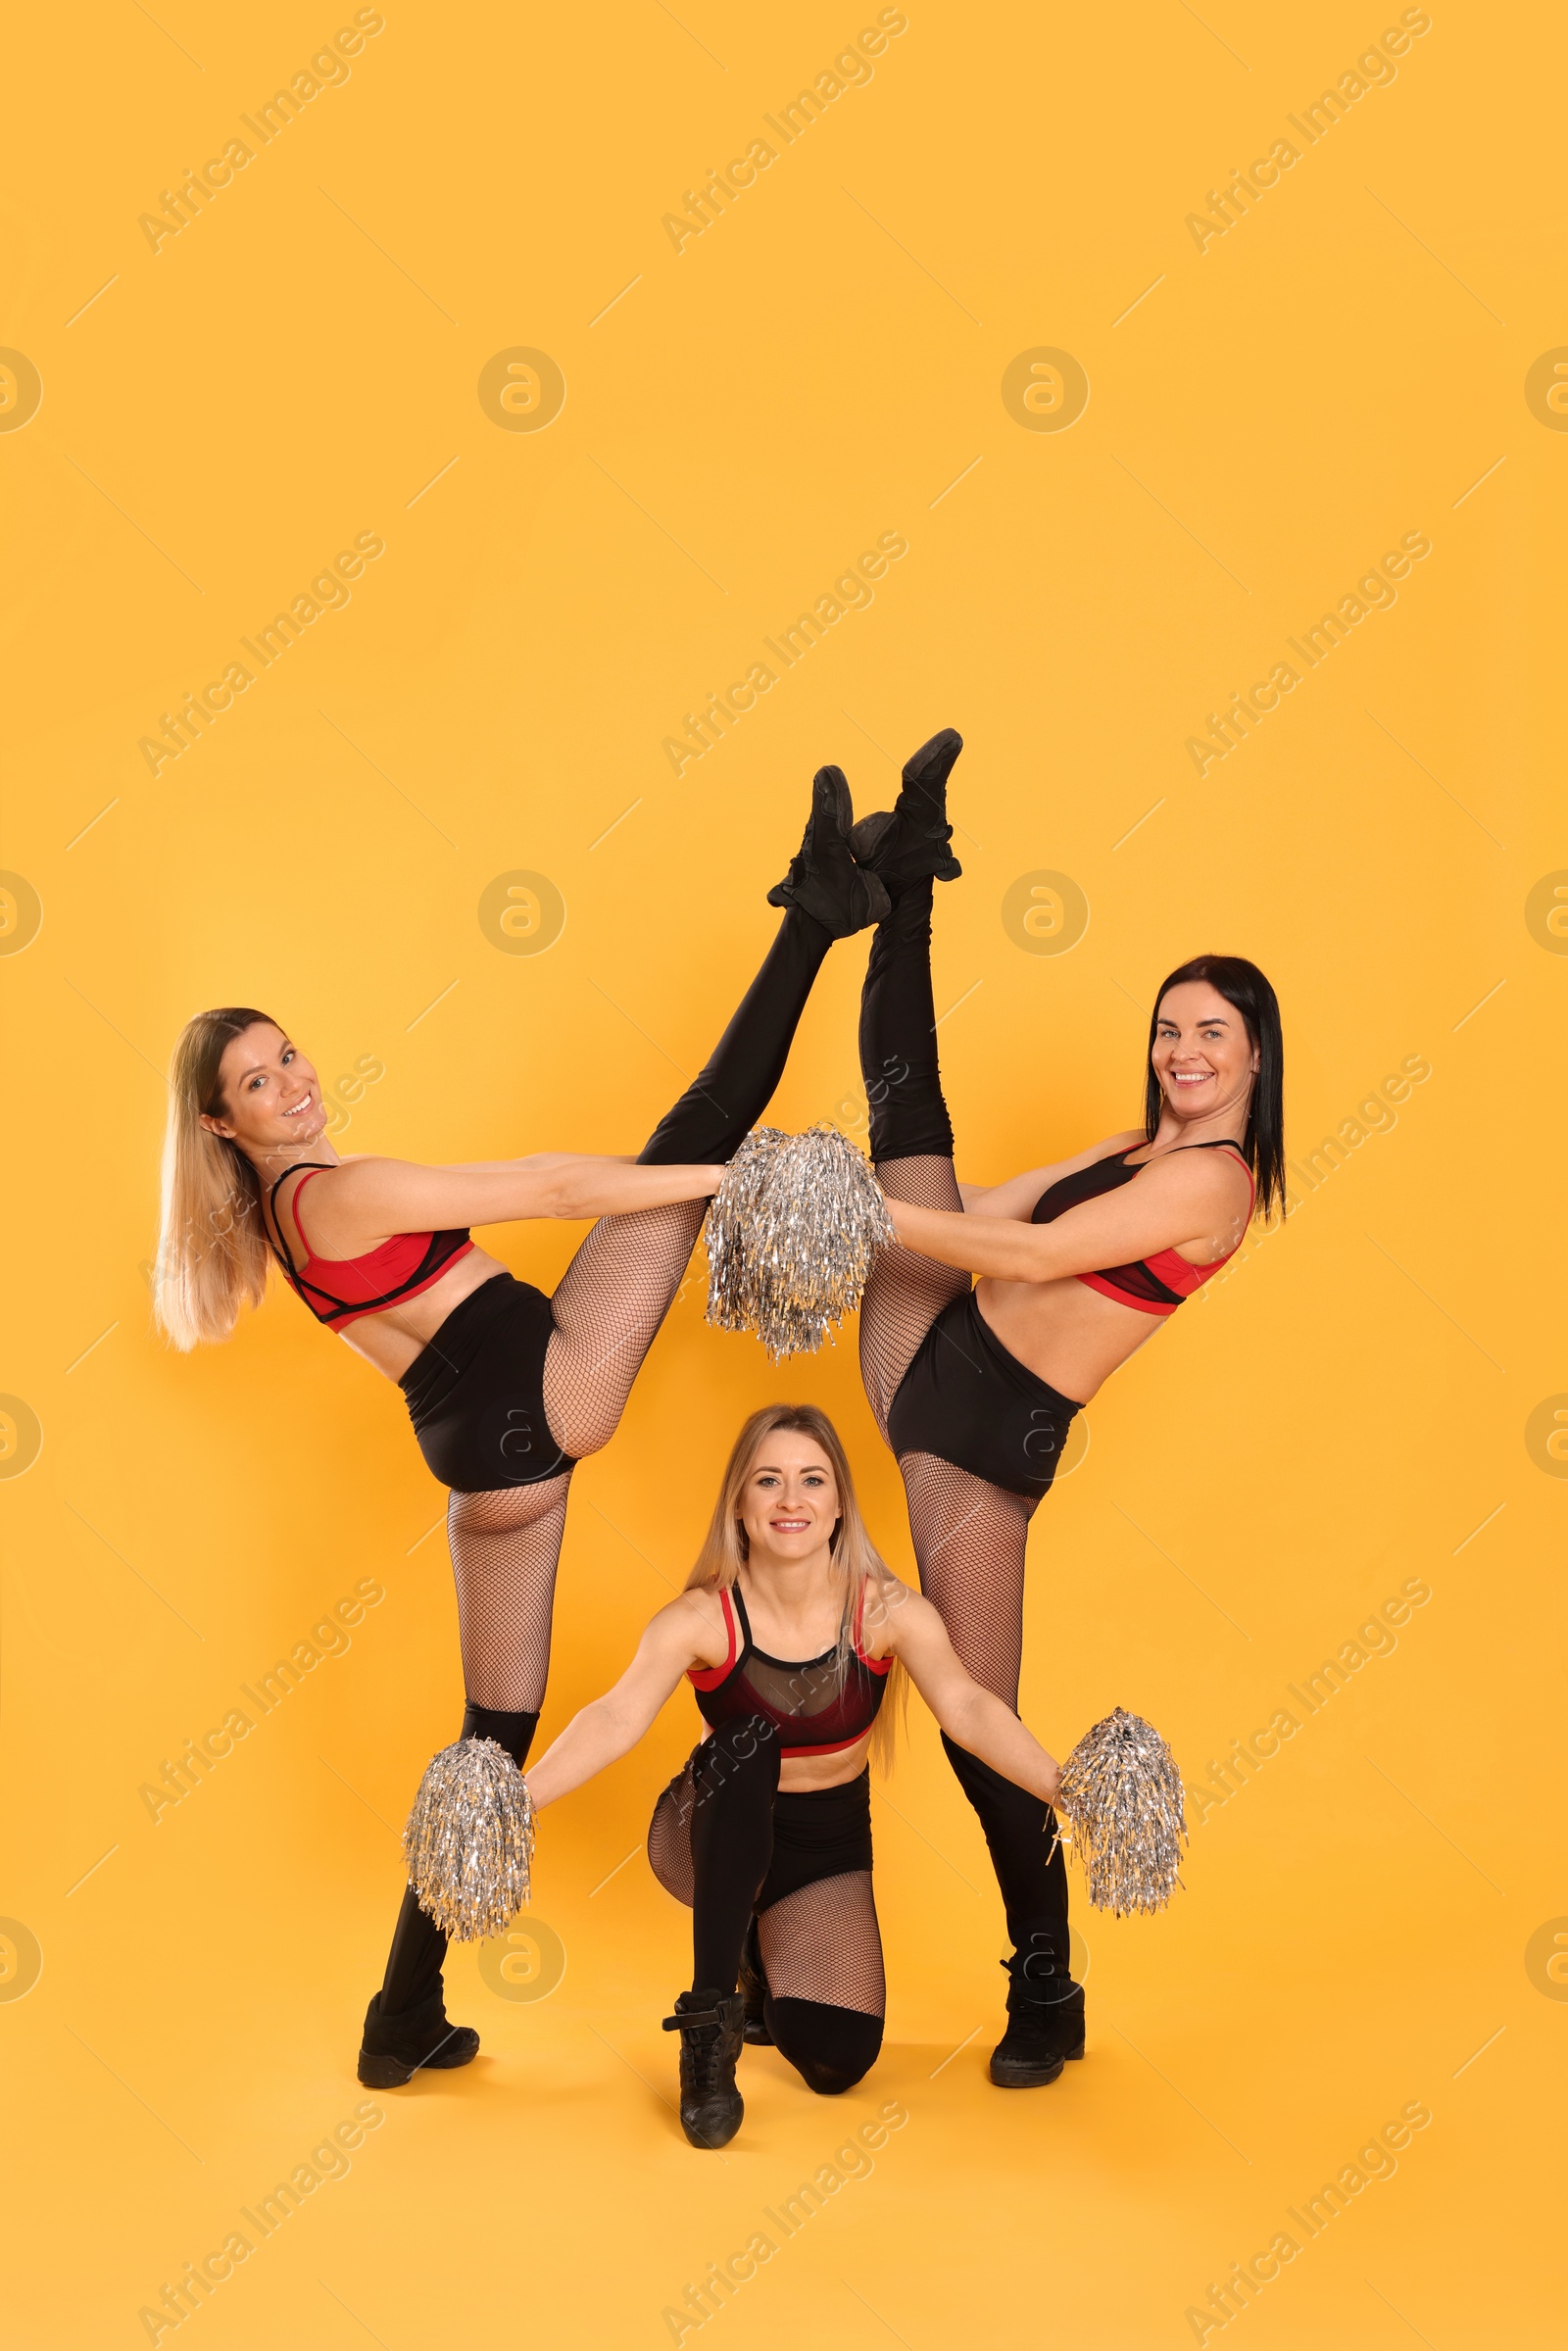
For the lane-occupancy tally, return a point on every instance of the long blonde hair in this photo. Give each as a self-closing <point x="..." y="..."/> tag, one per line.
<point x="855" y="1557"/>
<point x="212" y="1256"/>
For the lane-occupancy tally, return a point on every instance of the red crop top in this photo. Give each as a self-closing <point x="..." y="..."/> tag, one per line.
<point x="1154" y="1285"/>
<point x="395" y="1269"/>
<point x="824" y="1711"/>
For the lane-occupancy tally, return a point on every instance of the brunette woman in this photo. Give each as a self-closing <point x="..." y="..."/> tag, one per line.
<point x="1080" y="1263"/>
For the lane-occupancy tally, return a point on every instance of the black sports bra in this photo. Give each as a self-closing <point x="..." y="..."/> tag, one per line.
<point x="1156" y="1285"/>
<point x="821" y="1709"/>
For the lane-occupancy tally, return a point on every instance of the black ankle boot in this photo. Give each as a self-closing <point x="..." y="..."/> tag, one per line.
<point x="824" y="881"/>
<point x="1044" y="2021"/>
<point x="397" y="2047"/>
<point x="909" y="842"/>
<point x="712" y="2026"/>
<point x="754" y="1990"/>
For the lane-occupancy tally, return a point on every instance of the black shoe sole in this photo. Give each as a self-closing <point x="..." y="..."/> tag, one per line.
<point x="1019" y="2075"/>
<point x="461" y="2047"/>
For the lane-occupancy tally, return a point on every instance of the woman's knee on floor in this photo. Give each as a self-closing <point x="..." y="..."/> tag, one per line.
<point x="830" y="2048"/>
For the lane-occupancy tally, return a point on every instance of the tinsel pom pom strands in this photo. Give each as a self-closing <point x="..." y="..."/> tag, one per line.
<point x="792" y="1235"/>
<point x="470" y="1839"/>
<point x="1121" y="1795"/>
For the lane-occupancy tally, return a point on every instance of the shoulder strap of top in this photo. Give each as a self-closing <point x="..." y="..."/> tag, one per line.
<point x="311" y="1167"/>
<point x="315" y="1167"/>
<point x="735" y="1606"/>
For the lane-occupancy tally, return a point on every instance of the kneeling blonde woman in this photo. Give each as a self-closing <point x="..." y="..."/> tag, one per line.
<point x="790" y="1630"/>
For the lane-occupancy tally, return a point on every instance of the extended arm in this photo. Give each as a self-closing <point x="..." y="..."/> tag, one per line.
<point x="1181" y="1201"/>
<point x="364" y="1201"/>
<point x="970" y="1716"/>
<point x="1017" y="1196"/>
<point x="679" y="1637"/>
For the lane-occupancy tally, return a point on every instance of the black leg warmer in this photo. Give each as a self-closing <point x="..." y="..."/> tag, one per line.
<point x="898" y="1064"/>
<point x="830" y="2048"/>
<point x="734" y="1781"/>
<point x="418" y="1946"/>
<point x="1020" y="1831"/>
<point x="719" y="1109"/>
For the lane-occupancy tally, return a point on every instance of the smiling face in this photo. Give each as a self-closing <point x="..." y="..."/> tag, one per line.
<point x="788" y="1504"/>
<point x="270" y="1096"/>
<point x="1201" y="1056"/>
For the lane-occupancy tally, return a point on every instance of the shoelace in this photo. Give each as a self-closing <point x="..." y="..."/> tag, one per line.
<point x="703" y="2056"/>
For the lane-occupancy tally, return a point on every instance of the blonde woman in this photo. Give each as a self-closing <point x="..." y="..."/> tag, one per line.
<point x="789" y="1629"/>
<point x="507" y="1389"/>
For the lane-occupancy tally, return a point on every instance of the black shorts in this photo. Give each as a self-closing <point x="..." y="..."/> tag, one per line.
<point x="967" y="1401"/>
<point x="817" y="1833"/>
<point x="475" y="1394"/>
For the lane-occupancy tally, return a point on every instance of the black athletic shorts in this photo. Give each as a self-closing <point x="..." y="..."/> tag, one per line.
<point x="475" y="1395"/>
<point x="967" y="1401"/>
<point x="817" y="1833"/>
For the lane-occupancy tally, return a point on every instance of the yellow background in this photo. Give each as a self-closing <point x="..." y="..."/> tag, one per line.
<point x="1341" y="1414"/>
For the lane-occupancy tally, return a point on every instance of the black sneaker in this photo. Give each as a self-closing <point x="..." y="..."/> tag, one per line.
<point x="824" y="881"/>
<point x="1044" y="2023"/>
<point x="754" y="1990"/>
<point x="909" y="842"/>
<point x="711" y="2027"/>
<point x="395" y="2048"/>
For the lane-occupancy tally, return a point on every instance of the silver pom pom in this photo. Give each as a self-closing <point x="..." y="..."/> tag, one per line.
<point x="792" y="1235"/>
<point x="470" y="1839"/>
<point x="1121" y="1795"/>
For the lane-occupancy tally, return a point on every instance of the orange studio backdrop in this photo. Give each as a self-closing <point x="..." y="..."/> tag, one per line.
<point x="463" y="474"/>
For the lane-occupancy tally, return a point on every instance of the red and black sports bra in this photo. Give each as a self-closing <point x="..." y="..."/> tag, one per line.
<point x="1154" y="1285"/>
<point x="395" y="1269"/>
<point x="821" y="1709"/>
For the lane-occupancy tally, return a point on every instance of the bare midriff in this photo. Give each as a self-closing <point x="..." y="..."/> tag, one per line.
<point x="1068" y="1334"/>
<point x="799" y="1773"/>
<point x="392" y="1339"/>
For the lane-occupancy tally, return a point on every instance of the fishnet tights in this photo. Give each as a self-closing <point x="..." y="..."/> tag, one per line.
<point x="821" y="1943"/>
<point x="969" y="1539"/>
<point x="506" y="1545"/>
<point x="969" y="1535"/>
<point x="906" y="1292"/>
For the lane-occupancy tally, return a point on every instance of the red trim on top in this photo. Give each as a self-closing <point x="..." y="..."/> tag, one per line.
<point x="708" y="1677"/>
<point x="1169" y="1266"/>
<point x="379" y="1269"/>
<point x="840" y="1747"/>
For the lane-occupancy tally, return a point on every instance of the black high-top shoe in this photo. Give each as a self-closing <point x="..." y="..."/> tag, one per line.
<point x="823" y="880"/>
<point x="1044" y="2021"/>
<point x="712" y="2026"/>
<point x="909" y="842"/>
<point x="397" y="2047"/>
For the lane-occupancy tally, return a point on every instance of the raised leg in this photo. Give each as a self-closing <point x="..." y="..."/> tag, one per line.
<point x="618" y="1287"/>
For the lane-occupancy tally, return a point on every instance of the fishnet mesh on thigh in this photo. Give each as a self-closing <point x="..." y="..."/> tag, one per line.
<point x="607" y="1308"/>
<point x="504" y="1547"/>
<point x="906" y="1292"/>
<point x="969" y="1539"/>
<point x="670" y="1840"/>
<point x="823" y="1944"/>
